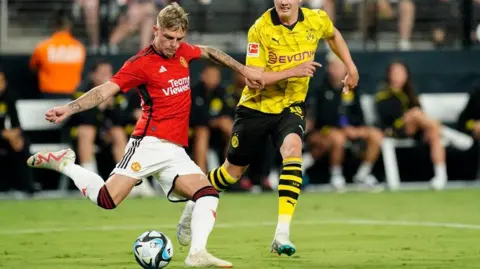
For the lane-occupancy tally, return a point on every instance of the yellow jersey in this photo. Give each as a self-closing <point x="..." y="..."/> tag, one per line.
<point x="276" y="47"/>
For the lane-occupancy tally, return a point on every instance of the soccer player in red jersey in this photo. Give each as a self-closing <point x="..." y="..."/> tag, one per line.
<point x="160" y="73"/>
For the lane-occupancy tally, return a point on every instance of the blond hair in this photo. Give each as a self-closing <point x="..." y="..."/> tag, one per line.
<point x="173" y="17"/>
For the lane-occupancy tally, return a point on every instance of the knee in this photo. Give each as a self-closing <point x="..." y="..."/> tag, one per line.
<point x="375" y="136"/>
<point x="338" y="139"/>
<point x="292" y="146"/>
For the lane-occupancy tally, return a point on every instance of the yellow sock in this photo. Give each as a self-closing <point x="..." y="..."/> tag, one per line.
<point x="220" y="179"/>
<point x="288" y="192"/>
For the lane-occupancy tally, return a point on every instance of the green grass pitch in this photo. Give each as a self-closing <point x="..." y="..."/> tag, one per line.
<point x="419" y="229"/>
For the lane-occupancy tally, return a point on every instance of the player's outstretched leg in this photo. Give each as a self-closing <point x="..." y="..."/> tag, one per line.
<point x="90" y="184"/>
<point x="203" y="216"/>
<point x="289" y="187"/>
<point x="220" y="179"/>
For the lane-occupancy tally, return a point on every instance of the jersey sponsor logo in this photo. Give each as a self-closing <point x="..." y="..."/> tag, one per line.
<point x="64" y="54"/>
<point x="273" y="58"/>
<point x="253" y="50"/>
<point x="183" y="62"/>
<point x="177" y="86"/>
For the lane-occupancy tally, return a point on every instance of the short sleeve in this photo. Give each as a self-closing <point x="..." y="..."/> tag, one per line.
<point x="326" y="30"/>
<point x="191" y="52"/>
<point x="256" y="50"/>
<point x="131" y="75"/>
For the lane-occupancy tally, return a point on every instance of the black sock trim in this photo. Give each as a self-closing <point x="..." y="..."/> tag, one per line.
<point x="205" y="191"/>
<point x="104" y="200"/>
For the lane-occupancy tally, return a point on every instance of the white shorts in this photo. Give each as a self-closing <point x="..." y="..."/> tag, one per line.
<point x="165" y="161"/>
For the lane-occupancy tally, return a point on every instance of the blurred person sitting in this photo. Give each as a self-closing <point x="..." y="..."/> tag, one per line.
<point x="406" y="18"/>
<point x="211" y="118"/>
<point x="104" y="122"/>
<point x="140" y="15"/>
<point x="401" y="115"/>
<point x="13" y="145"/>
<point x="338" y="118"/>
<point x="469" y="119"/>
<point x="59" y="60"/>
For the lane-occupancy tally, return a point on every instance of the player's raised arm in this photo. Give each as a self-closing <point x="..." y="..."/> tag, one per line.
<point x="224" y="59"/>
<point x="87" y="101"/>
<point x="339" y="47"/>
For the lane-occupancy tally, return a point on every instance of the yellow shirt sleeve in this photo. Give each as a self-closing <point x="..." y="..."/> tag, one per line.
<point x="326" y="30"/>
<point x="257" y="52"/>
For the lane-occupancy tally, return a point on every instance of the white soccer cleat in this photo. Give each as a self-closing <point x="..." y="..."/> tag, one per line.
<point x="338" y="183"/>
<point x="205" y="259"/>
<point x="282" y="245"/>
<point x="52" y="160"/>
<point x="184" y="230"/>
<point x="438" y="183"/>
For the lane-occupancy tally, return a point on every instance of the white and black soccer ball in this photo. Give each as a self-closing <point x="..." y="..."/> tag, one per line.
<point x="153" y="250"/>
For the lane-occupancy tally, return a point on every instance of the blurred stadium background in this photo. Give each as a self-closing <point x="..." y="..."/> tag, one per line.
<point x="437" y="39"/>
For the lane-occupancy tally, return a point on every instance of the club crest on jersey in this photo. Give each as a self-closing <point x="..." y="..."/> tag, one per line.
<point x="253" y="50"/>
<point x="136" y="167"/>
<point x="183" y="62"/>
<point x="235" y="141"/>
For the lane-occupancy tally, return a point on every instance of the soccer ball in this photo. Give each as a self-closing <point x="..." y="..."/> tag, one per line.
<point x="153" y="250"/>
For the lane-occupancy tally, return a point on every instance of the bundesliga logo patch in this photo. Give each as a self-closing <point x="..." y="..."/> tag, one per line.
<point x="253" y="49"/>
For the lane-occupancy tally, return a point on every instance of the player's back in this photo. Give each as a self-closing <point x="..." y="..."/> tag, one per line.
<point x="277" y="47"/>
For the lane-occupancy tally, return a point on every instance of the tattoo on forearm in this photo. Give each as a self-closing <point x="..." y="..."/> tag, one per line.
<point x="221" y="58"/>
<point x="88" y="100"/>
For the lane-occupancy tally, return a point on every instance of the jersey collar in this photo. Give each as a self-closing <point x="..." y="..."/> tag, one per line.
<point x="158" y="52"/>
<point x="276" y="18"/>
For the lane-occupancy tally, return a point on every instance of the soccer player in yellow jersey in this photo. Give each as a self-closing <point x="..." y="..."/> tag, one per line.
<point x="282" y="43"/>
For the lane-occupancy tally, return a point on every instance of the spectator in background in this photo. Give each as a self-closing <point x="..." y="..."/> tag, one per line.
<point x="400" y="115"/>
<point x="12" y="142"/>
<point x="92" y="17"/>
<point x="469" y="119"/>
<point x="442" y="14"/>
<point x="406" y="18"/>
<point x="211" y="116"/>
<point x="87" y="125"/>
<point x="59" y="60"/>
<point x="339" y="118"/>
<point x="140" y="15"/>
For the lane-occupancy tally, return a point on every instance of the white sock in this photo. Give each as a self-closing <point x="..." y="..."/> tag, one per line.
<point x="87" y="182"/>
<point x="441" y="170"/>
<point x="90" y="166"/>
<point x="336" y="170"/>
<point x="364" y="170"/>
<point x="187" y="211"/>
<point x="308" y="162"/>
<point x="283" y="225"/>
<point x="203" y="218"/>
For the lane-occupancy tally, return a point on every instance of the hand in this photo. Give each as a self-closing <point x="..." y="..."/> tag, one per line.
<point x="10" y="134"/>
<point x="306" y="69"/>
<point x="254" y="78"/>
<point x="58" y="114"/>
<point x="17" y="143"/>
<point x="252" y="84"/>
<point x="351" y="81"/>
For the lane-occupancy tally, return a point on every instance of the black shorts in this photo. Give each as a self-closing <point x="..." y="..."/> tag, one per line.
<point x="252" y="128"/>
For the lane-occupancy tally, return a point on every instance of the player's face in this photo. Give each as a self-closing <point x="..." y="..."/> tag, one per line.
<point x="211" y="77"/>
<point x="337" y="71"/>
<point x="286" y="8"/>
<point x="103" y="74"/>
<point x="168" y="41"/>
<point x="398" y="75"/>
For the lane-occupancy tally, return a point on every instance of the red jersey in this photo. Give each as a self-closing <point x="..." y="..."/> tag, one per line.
<point x="164" y="87"/>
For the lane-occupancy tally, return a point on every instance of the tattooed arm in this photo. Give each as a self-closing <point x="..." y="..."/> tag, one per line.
<point x="87" y="101"/>
<point x="93" y="97"/>
<point x="224" y="59"/>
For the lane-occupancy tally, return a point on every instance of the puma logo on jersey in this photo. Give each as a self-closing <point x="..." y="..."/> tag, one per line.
<point x="162" y="69"/>
<point x="276" y="40"/>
